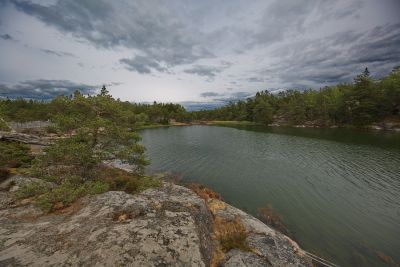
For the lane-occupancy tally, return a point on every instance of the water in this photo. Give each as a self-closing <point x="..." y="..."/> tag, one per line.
<point x="337" y="190"/>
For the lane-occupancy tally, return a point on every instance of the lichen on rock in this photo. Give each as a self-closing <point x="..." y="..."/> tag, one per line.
<point x="166" y="226"/>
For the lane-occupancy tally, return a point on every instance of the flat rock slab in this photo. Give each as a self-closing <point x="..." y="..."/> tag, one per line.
<point x="169" y="226"/>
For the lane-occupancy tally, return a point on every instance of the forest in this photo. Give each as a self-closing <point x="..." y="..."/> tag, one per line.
<point x="360" y="103"/>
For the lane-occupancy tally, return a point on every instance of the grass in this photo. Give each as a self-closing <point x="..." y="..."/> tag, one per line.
<point x="204" y="192"/>
<point x="231" y="234"/>
<point x="227" y="234"/>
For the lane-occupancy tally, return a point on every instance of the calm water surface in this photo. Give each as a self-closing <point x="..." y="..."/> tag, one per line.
<point x="337" y="190"/>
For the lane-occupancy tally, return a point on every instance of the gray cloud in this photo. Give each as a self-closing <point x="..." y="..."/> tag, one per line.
<point x="333" y="60"/>
<point x="142" y="65"/>
<point x="148" y="26"/>
<point x="221" y="99"/>
<point x="207" y="71"/>
<point x="44" y="89"/>
<point x="6" y="36"/>
<point x="255" y="79"/>
<point x="209" y="94"/>
<point x="274" y="43"/>
<point x="57" y="53"/>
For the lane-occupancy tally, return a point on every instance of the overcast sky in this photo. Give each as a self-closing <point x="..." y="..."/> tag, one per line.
<point x="193" y="52"/>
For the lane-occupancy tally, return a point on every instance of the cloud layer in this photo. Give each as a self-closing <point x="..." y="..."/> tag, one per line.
<point x="44" y="89"/>
<point x="190" y="50"/>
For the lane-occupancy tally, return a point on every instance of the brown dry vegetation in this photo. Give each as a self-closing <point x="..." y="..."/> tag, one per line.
<point x="204" y="192"/>
<point x="273" y="219"/>
<point x="227" y="234"/>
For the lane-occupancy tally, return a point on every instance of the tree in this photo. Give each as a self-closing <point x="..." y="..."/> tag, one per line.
<point x="101" y="134"/>
<point x="104" y="91"/>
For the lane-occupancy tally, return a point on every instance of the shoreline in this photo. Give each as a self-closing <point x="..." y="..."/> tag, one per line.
<point x="371" y="128"/>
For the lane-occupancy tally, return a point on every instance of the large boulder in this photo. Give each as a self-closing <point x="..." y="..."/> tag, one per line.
<point x="168" y="226"/>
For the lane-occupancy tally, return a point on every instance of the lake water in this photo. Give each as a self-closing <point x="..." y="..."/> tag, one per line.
<point x="337" y="190"/>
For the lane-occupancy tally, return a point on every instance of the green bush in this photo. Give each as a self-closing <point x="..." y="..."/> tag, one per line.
<point x="14" y="155"/>
<point x="3" y="125"/>
<point x="96" y="187"/>
<point x="66" y="193"/>
<point x="31" y="190"/>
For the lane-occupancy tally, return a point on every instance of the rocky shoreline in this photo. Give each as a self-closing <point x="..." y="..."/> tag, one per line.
<point x="166" y="226"/>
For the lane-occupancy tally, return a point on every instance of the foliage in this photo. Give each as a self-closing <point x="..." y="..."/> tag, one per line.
<point x="63" y="195"/>
<point x="14" y="155"/>
<point x="100" y="132"/>
<point x="3" y="125"/>
<point x="121" y="180"/>
<point x="70" y="111"/>
<point x="95" y="129"/>
<point x="31" y="189"/>
<point x="230" y="234"/>
<point x="361" y="103"/>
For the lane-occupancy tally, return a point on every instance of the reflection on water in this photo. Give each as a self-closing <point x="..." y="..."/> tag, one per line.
<point x="337" y="190"/>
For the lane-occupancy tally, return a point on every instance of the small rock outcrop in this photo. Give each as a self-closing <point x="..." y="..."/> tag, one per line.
<point x="168" y="226"/>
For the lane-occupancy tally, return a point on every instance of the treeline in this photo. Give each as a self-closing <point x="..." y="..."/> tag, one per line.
<point x="359" y="103"/>
<point x="363" y="102"/>
<point x="75" y="107"/>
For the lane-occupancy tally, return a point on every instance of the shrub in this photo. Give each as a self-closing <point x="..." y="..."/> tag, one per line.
<point x="64" y="194"/>
<point x="96" y="187"/>
<point x="3" y="125"/>
<point x="14" y="155"/>
<point x="120" y="180"/>
<point x="230" y="234"/>
<point x="204" y="192"/>
<point x="271" y="218"/>
<point x="31" y="189"/>
<point x="4" y="173"/>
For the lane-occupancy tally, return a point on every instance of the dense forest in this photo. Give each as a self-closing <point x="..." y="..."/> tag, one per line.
<point x="363" y="102"/>
<point x="359" y="103"/>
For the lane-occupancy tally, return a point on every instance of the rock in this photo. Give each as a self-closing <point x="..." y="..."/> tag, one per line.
<point x="270" y="245"/>
<point x="15" y="182"/>
<point x="23" y="138"/>
<point x="167" y="226"/>
<point x="238" y="258"/>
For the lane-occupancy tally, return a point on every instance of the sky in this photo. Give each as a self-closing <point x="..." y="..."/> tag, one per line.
<point x="201" y="54"/>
